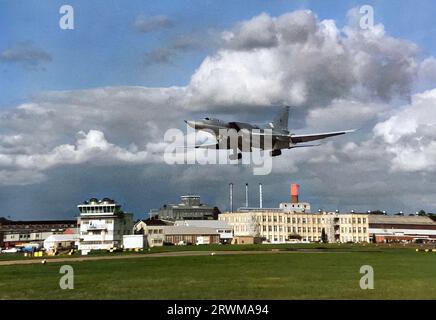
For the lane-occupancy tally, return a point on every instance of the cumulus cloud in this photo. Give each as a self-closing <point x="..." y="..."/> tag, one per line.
<point x="341" y="113"/>
<point x="427" y="70"/>
<point x="90" y="147"/>
<point x="259" y="32"/>
<point x="299" y="60"/>
<point x="410" y="134"/>
<point x="25" y="53"/>
<point x="152" y="23"/>
<point x="105" y="126"/>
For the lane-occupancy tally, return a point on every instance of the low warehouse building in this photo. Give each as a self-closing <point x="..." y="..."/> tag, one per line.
<point x="190" y="235"/>
<point x="22" y="232"/>
<point x="384" y="228"/>
<point x="59" y="242"/>
<point x="223" y="228"/>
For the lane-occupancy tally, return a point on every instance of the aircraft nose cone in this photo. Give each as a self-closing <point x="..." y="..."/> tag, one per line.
<point x="190" y="123"/>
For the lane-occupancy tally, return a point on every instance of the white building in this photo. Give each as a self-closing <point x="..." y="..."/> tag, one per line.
<point x="134" y="241"/>
<point x="280" y="226"/>
<point x="292" y="221"/>
<point x="57" y="242"/>
<point x="102" y="225"/>
<point x="153" y="230"/>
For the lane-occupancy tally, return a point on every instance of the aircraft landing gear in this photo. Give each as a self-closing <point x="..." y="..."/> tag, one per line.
<point x="235" y="156"/>
<point x="275" y="153"/>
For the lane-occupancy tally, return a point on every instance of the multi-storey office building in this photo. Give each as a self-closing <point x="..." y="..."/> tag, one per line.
<point x="293" y="220"/>
<point x="277" y="226"/>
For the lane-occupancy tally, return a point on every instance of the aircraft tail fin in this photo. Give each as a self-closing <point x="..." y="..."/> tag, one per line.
<point x="280" y="122"/>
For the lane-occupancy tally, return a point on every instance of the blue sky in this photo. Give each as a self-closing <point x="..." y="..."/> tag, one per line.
<point x="106" y="50"/>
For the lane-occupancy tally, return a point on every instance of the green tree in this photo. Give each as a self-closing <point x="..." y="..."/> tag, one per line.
<point x="324" y="238"/>
<point x="377" y="212"/>
<point x="422" y="213"/>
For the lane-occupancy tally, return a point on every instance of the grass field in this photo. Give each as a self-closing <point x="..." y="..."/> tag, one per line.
<point x="329" y="273"/>
<point x="257" y="247"/>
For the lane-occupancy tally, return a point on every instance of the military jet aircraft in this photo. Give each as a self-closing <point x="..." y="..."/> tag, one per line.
<point x="278" y="131"/>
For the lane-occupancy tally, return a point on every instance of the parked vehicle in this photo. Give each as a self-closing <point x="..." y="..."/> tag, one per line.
<point x="11" y="250"/>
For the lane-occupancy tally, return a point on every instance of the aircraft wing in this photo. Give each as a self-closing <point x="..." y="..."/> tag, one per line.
<point x="202" y="146"/>
<point x="298" y="138"/>
<point x="207" y="146"/>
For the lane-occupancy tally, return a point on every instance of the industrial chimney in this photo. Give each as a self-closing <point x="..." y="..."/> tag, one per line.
<point x="231" y="196"/>
<point x="294" y="193"/>
<point x="260" y="195"/>
<point x="246" y="195"/>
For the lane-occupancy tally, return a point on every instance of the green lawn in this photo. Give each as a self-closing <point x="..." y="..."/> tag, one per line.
<point x="257" y="247"/>
<point x="399" y="274"/>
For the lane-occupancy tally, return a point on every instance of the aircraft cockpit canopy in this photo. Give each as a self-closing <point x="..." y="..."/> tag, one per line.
<point x="212" y="119"/>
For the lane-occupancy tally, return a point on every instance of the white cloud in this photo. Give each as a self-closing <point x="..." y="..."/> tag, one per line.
<point x="344" y="114"/>
<point x="427" y="71"/>
<point x="91" y="148"/>
<point x="296" y="59"/>
<point x="152" y="23"/>
<point x="410" y="134"/>
<point x="259" y="32"/>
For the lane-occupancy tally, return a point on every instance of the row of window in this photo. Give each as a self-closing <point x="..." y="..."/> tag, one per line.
<point x="354" y="239"/>
<point x="23" y="236"/>
<point x="155" y="231"/>
<point x="97" y="242"/>
<point x="293" y="229"/>
<point x="352" y="220"/>
<point x="100" y="222"/>
<point x="44" y="226"/>
<point x="353" y="229"/>
<point x="281" y="219"/>
<point x="316" y="238"/>
<point x="99" y="209"/>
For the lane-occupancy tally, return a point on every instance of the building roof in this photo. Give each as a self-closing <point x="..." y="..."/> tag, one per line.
<point x="388" y="219"/>
<point x="154" y="222"/>
<point x="95" y="201"/>
<point x="37" y="222"/>
<point x="62" y="237"/>
<point x="170" y="230"/>
<point x="203" y="224"/>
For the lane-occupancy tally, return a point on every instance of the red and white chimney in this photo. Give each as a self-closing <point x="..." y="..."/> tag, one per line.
<point x="294" y="193"/>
